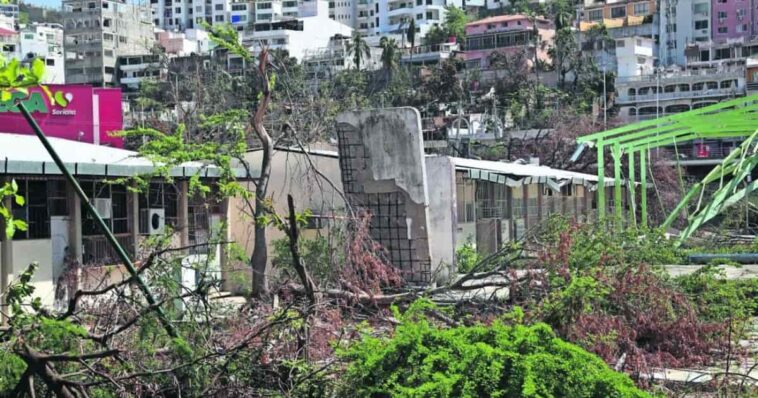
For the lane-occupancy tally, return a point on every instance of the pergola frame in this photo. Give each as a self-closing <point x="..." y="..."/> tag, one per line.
<point x="728" y="119"/>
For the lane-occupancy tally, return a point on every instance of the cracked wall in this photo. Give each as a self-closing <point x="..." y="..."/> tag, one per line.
<point x="383" y="170"/>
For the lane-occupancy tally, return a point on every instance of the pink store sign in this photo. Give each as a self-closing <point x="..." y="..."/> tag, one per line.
<point x="75" y="112"/>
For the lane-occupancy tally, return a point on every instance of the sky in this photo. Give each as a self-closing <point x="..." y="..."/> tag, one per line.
<point x="45" y="3"/>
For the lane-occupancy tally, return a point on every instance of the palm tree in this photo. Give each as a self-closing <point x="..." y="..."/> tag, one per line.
<point x="358" y="48"/>
<point x="389" y="56"/>
<point x="411" y="35"/>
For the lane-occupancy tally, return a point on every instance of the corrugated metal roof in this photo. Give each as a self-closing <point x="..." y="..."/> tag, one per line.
<point x="25" y="154"/>
<point x="522" y="170"/>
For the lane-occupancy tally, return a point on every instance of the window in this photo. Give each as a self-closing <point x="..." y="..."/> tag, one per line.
<point x="262" y="6"/>
<point x="220" y="7"/>
<point x="618" y="12"/>
<point x="50" y="62"/>
<point x="596" y="15"/>
<point x="107" y="37"/>
<point x="701" y="24"/>
<point x="741" y="13"/>
<point x="701" y="8"/>
<point x="723" y="29"/>
<point x="722" y="15"/>
<point x="219" y="18"/>
<point x="161" y="196"/>
<point x="419" y="16"/>
<point x="122" y="39"/>
<point x="619" y="43"/>
<point x="109" y="70"/>
<point x="641" y="9"/>
<point x="430" y="15"/>
<point x="118" y="220"/>
<point x="106" y="22"/>
<point x="34" y="211"/>
<point x="29" y="36"/>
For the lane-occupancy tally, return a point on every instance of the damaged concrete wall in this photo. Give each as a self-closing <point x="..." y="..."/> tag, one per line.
<point x="443" y="216"/>
<point x="383" y="171"/>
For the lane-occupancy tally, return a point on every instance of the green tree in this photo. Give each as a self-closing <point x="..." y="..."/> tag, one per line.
<point x="563" y="13"/>
<point x="455" y="22"/>
<point x="358" y="48"/>
<point x="564" y="53"/>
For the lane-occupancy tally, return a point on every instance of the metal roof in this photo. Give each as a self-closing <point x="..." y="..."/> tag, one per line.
<point x="24" y="154"/>
<point x="523" y="170"/>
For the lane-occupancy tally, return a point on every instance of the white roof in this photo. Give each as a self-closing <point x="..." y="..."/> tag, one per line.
<point x="25" y="154"/>
<point x="522" y="170"/>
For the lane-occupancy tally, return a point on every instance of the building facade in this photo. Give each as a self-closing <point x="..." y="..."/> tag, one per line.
<point x="507" y="34"/>
<point x="675" y="91"/>
<point x="733" y="19"/>
<point x="682" y="23"/>
<point x="45" y="41"/>
<point x="96" y="33"/>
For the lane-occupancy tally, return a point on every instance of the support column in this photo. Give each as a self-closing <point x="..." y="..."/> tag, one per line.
<point x="133" y="203"/>
<point x="643" y="188"/>
<point x="617" y="199"/>
<point x="74" y="204"/>
<point x="6" y="260"/>
<point x="632" y="190"/>
<point x="600" y="181"/>
<point x="226" y="236"/>
<point x="183" y="213"/>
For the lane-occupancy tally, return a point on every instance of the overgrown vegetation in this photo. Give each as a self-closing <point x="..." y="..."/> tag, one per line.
<point x="422" y="359"/>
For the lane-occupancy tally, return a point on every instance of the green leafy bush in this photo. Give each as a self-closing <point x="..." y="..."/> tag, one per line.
<point x="466" y="257"/>
<point x="497" y="360"/>
<point x="719" y="299"/>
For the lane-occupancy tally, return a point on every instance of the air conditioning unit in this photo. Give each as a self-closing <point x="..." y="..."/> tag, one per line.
<point x="103" y="207"/>
<point x="152" y="221"/>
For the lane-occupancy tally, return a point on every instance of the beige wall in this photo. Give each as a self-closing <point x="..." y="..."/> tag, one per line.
<point x="291" y="173"/>
<point x="26" y="252"/>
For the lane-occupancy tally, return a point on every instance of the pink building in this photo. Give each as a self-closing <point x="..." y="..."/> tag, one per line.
<point x="733" y="19"/>
<point x="507" y="34"/>
<point x="73" y="112"/>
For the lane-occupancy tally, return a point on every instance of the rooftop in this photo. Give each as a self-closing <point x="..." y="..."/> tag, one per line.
<point x="24" y="154"/>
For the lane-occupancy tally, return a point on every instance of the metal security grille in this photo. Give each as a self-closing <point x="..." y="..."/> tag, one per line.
<point x="389" y="219"/>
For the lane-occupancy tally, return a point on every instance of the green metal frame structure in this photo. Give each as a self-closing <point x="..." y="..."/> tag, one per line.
<point x="728" y="119"/>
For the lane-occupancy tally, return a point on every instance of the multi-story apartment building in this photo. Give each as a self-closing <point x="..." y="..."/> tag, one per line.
<point x="189" y="14"/>
<point x="733" y="19"/>
<point x="507" y="34"/>
<point x="97" y="32"/>
<point x="635" y="56"/>
<point x="9" y="10"/>
<point x="314" y="30"/>
<point x="682" y="22"/>
<point x="325" y="62"/>
<point x="44" y="41"/>
<point x="622" y="19"/>
<point x="674" y="91"/>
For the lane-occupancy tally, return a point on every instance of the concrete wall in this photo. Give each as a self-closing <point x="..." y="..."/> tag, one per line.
<point x="442" y="216"/>
<point x="291" y="173"/>
<point x="382" y="168"/>
<point x="26" y="252"/>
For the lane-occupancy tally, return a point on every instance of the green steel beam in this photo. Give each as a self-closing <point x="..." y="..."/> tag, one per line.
<point x="632" y="189"/>
<point x="617" y="200"/>
<point x="100" y="223"/>
<point x="707" y="214"/>
<point x="643" y="188"/>
<point x="600" y="180"/>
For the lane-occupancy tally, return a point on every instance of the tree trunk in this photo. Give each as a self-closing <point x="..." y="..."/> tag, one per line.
<point x="259" y="258"/>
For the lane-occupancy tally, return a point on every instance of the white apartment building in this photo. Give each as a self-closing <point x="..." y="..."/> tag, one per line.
<point x="44" y="41"/>
<point x="635" y="56"/>
<point x="681" y="23"/>
<point x="370" y="17"/>
<point x="296" y="36"/>
<point x="325" y="62"/>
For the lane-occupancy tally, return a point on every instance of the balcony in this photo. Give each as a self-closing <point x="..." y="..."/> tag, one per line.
<point x="625" y="99"/>
<point x="700" y="153"/>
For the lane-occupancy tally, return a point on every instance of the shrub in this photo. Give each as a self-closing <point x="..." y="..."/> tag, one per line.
<point x="466" y="257"/>
<point x="497" y="360"/>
